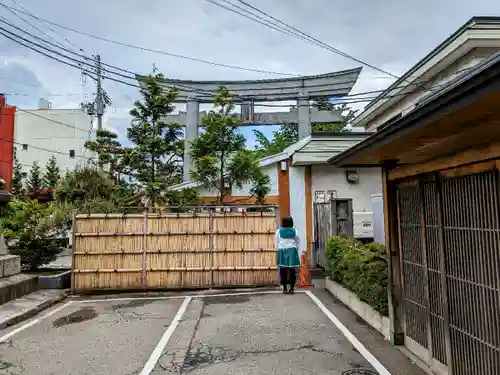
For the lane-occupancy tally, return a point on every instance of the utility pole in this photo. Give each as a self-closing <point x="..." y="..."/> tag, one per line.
<point x="99" y="97"/>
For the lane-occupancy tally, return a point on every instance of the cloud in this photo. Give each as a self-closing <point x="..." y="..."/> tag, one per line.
<point x="390" y="34"/>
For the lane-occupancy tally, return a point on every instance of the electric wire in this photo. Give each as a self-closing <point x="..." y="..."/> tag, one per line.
<point x="351" y="98"/>
<point x="50" y="28"/>
<point x="156" y="51"/>
<point x="181" y="86"/>
<point x="290" y="30"/>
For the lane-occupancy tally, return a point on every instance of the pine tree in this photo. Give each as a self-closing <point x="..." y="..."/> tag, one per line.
<point x="52" y="173"/>
<point x="155" y="158"/>
<point x="34" y="182"/>
<point x="220" y="158"/>
<point x="17" y="178"/>
<point x="109" y="151"/>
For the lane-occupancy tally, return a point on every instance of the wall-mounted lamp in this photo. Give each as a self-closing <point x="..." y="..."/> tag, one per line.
<point x="283" y="166"/>
<point x="352" y="176"/>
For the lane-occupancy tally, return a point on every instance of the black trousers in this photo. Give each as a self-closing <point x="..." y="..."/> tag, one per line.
<point x="288" y="276"/>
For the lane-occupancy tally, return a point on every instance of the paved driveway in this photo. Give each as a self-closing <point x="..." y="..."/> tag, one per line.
<point x="232" y="334"/>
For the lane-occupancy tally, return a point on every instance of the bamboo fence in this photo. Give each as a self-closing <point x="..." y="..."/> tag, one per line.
<point x="173" y="250"/>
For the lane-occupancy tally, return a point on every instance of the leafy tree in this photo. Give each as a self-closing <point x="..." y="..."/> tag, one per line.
<point x="17" y="178"/>
<point x="31" y="230"/>
<point x="347" y="114"/>
<point x="34" y="182"/>
<point x="155" y="158"/>
<point x="109" y="150"/>
<point x="288" y="134"/>
<point x="89" y="189"/>
<point x="221" y="160"/>
<point x="183" y="198"/>
<point x="52" y="173"/>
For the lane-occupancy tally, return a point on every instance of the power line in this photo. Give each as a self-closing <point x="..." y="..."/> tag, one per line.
<point x="295" y="32"/>
<point x="43" y="148"/>
<point x="187" y="88"/>
<point x="51" y="120"/>
<point x="50" y="28"/>
<point x="156" y="51"/>
<point x="13" y="11"/>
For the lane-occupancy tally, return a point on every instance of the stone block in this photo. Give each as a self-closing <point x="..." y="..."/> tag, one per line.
<point x="363" y="310"/>
<point x="61" y="280"/>
<point x="10" y="265"/>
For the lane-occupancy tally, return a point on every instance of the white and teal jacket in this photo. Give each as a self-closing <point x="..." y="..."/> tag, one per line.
<point x="288" y="245"/>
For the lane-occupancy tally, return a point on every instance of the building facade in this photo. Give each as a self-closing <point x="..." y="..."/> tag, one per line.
<point x="477" y="39"/>
<point x="440" y="158"/>
<point x="42" y="133"/>
<point x="7" y="115"/>
<point x="301" y="179"/>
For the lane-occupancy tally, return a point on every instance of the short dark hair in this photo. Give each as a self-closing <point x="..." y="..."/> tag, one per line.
<point x="287" y="222"/>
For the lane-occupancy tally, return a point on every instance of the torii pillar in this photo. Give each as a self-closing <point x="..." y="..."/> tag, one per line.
<point x="191" y="133"/>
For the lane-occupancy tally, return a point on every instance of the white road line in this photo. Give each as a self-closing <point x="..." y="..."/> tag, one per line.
<point x="160" y="298"/>
<point x="33" y="322"/>
<point x="352" y="339"/>
<point x="155" y="356"/>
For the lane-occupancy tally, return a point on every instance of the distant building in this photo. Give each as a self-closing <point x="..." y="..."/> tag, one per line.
<point x="7" y="115"/>
<point x="43" y="132"/>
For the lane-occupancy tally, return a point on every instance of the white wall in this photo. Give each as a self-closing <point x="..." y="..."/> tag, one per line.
<point x="270" y="170"/>
<point x="328" y="177"/>
<point x="38" y="131"/>
<point x="296" y="177"/>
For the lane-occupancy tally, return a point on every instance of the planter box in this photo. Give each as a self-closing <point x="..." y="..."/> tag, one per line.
<point x="61" y="280"/>
<point x="362" y="309"/>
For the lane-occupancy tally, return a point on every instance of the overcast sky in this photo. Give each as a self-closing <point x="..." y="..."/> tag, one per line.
<point x="390" y="34"/>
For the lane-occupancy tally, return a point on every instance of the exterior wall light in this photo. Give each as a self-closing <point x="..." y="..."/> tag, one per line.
<point x="352" y="176"/>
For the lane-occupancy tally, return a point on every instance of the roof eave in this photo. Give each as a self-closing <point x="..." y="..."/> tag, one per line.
<point x="453" y="96"/>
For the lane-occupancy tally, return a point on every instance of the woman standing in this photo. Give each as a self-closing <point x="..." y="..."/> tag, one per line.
<point x="287" y="244"/>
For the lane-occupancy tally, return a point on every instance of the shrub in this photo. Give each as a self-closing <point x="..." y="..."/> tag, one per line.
<point x="360" y="268"/>
<point x="32" y="230"/>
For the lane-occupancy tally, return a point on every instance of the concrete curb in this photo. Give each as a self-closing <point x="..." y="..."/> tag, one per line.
<point x="29" y="312"/>
<point x="363" y="310"/>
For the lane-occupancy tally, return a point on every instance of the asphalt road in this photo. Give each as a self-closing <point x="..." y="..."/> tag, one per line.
<point x="217" y="335"/>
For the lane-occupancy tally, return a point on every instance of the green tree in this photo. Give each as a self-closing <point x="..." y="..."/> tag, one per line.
<point x="347" y="113"/>
<point x="109" y="151"/>
<point x="91" y="190"/>
<point x="155" y="158"/>
<point x="52" y="173"/>
<point x="31" y="230"/>
<point x="17" y="178"/>
<point x="288" y="134"/>
<point x="34" y="182"/>
<point x="221" y="160"/>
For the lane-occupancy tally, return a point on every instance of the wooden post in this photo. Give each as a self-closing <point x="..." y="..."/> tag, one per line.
<point x="426" y="286"/>
<point x="395" y="291"/>
<point x="73" y="248"/>
<point x="144" y="248"/>
<point x="211" y="247"/>
<point x="444" y="281"/>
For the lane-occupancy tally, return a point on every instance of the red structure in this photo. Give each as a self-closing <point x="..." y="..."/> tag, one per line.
<point x="7" y="116"/>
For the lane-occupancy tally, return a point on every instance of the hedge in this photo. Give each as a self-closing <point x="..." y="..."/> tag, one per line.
<point x="361" y="268"/>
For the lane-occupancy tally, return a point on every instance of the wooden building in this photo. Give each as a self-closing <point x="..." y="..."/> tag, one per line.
<point x="441" y="187"/>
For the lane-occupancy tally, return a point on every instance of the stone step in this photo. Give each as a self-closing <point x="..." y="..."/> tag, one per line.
<point x="15" y="286"/>
<point x="25" y="307"/>
<point x="9" y="265"/>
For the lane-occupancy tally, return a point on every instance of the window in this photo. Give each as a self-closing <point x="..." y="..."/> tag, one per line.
<point x="72" y="154"/>
<point x="25" y="146"/>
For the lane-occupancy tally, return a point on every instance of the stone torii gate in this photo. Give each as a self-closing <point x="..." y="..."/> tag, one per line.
<point x="247" y="93"/>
